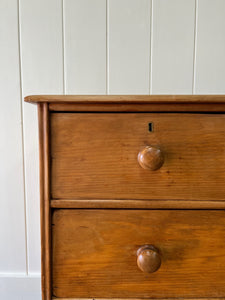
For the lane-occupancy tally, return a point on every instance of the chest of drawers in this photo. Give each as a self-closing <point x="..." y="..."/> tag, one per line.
<point x="132" y="196"/>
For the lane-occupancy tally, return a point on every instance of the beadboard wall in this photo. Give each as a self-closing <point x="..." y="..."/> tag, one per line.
<point x="87" y="47"/>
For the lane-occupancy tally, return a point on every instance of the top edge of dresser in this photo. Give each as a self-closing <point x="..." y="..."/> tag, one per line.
<point x="127" y="99"/>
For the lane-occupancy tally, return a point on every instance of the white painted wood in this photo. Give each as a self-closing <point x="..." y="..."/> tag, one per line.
<point x="210" y="47"/>
<point x="128" y="46"/>
<point x="85" y="46"/>
<point x="20" y="288"/>
<point x="42" y="73"/>
<point x="172" y="46"/>
<point x="12" y="216"/>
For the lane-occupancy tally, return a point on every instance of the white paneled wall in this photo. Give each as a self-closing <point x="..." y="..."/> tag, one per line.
<point x="173" y="42"/>
<point x="87" y="47"/>
<point x="128" y="47"/>
<point x="210" y="47"/>
<point x="41" y="54"/>
<point x="12" y="212"/>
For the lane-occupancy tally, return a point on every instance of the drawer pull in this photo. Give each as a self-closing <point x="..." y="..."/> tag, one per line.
<point x="151" y="158"/>
<point x="148" y="259"/>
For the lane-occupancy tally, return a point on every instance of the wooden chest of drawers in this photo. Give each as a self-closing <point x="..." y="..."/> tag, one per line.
<point x="132" y="196"/>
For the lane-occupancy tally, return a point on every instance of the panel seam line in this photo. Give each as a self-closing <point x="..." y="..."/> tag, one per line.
<point x="63" y="50"/>
<point x="151" y="48"/>
<point x="107" y="47"/>
<point x="22" y="136"/>
<point x="194" y="50"/>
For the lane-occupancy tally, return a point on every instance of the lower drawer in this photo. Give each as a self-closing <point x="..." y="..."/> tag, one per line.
<point x="99" y="253"/>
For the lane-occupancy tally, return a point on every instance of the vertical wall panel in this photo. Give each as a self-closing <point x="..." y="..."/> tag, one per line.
<point x="12" y="217"/>
<point x="85" y="46"/>
<point x="42" y="73"/>
<point x="128" y="46"/>
<point x="172" y="46"/>
<point x="210" y="47"/>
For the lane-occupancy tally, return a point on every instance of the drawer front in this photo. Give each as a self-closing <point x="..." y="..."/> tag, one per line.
<point x="95" y="156"/>
<point x="95" y="253"/>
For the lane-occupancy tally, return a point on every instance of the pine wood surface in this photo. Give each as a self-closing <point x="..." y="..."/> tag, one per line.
<point x="54" y="298"/>
<point x="45" y="212"/>
<point x="211" y="99"/>
<point x="94" y="156"/>
<point x="138" y="107"/>
<point x="105" y="206"/>
<point x="135" y="103"/>
<point x="94" y="253"/>
<point x="138" y="204"/>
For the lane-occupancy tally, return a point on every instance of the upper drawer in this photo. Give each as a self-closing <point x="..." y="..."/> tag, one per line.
<point x="95" y="156"/>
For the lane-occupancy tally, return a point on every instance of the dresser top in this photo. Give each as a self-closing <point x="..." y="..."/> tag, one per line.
<point x="126" y="99"/>
<point x="131" y="103"/>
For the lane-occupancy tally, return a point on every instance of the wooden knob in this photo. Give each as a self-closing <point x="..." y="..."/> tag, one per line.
<point x="150" y="158"/>
<point x="148" y="259"/>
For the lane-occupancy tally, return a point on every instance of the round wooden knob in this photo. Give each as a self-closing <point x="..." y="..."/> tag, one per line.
<point x="151" y="158"/>
<point x="148" y="259"/>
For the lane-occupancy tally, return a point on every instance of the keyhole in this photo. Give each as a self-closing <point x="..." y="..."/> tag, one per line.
<point x="150" y="127"/>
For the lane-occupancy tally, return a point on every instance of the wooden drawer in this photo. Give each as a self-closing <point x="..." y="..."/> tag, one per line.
<point x="94" y="156"/>
<point x="95" y="253"/>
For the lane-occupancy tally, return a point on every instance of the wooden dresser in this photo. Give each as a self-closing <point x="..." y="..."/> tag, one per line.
<point x="132" y="196"/>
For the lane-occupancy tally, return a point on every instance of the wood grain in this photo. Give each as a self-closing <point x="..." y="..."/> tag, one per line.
<point x="138" y="107"/>
<point x="132" y="103"/>
<point x="45" y="214"/>
<point x="148" y="259"/>
<point x="191" y="99"/>
<point x="150" y="158"/>
<point x="94" y="156"/>
<point x="54" y="298"/>
<point x="138" y="204"/>
<point x="94" y="253"/>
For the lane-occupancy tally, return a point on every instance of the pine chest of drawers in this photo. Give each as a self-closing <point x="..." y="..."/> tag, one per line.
<point x="132" y="196"/>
